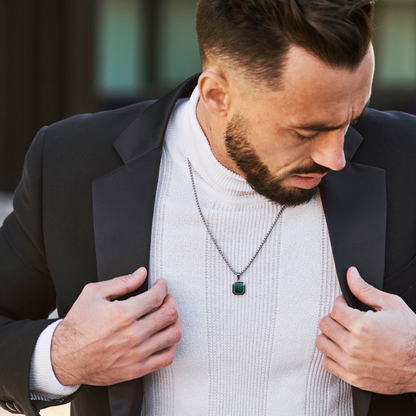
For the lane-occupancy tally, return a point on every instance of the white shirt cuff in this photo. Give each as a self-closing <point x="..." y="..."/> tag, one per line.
<point x="43" y="383"/>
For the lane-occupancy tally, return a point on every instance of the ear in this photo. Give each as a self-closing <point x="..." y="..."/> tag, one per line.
<point x="214" y="90"/>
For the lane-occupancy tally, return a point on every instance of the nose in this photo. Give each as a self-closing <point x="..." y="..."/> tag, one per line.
<point x="328" y="151"/>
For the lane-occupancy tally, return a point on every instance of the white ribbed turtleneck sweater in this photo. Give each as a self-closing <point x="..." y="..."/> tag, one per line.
<point x="250" y="355"/>
<point x="239" y="355"/>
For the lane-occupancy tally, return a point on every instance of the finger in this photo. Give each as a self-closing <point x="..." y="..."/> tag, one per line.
<point x="344" y="315"/>
<point x="334" y="331"/>
<point x="329" y="348"/>
<point x="337" y="370"/>
<point x="165" y="316"/>
<point x="336" y="361"/>
<point x="159" y="360"/>
<point x="150" y="364"/>
<point x="120" y="286"/>
<point x="141" y="305"/>
<point x="163" y="339"/>
<point x="369" y="295"/>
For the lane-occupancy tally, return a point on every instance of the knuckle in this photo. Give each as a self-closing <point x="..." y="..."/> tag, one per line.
<point x="337" y="314"/>
<point x="321" y="345"/>
<point x="351" y="365"/>
<point x="349" y="349"/>
<point x="364" y="289"/>
<point x="398" y="300"/>
<point x="355" y="380"/>
<point x="171" y="299"/>
<point x="171" y="315"/>
<point x="89" y="289"/>
<point x="130" y="338"/>
<point x="138" y="355"/>
<point x="176" y="335"/>
<point x="121" y="314"/>
<point x="136" y="372"/>
<point x="361" y="329"/>
<point x="352" y="349"/>
<point x="326" y="364"/>
<point x="156" y="300"/>
<point x="169" y="357"/>
<point x="123" y="280"/>
<point x="322" y="324"/>
<point x="165" y="318"/>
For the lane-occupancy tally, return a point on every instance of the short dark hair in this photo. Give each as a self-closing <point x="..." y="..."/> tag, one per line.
<point x="255" y="35"/>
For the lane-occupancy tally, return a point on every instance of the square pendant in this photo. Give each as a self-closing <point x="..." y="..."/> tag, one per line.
<point x="239" y="288"/>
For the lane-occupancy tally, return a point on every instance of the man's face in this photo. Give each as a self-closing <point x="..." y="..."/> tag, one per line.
<point x="284" y="142"/>
<point x="258" y="175"/>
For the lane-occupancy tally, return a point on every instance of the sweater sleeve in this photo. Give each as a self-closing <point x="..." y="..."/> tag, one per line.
<point x="43" y="383"/>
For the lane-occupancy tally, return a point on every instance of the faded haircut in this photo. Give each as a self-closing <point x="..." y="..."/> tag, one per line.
<point x="254" y="36"/>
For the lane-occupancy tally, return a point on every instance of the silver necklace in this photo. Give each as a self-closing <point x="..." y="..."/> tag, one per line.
<point x="239" y="288"/>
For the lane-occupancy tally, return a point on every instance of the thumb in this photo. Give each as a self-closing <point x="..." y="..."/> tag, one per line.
<point x="368" y="294"/>
<point x="121" y="286"/>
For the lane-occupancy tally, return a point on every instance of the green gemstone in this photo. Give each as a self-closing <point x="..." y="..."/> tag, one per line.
<point x="239" y="288"/>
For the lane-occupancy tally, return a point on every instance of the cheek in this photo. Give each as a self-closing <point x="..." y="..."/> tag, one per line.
<point x="284" y="152"/>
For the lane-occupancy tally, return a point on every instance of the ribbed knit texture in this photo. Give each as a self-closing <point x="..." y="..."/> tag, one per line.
<point x="239" y="355"/>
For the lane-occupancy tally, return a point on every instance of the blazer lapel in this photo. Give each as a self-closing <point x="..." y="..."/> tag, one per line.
<point x="123" y="203"/>
<point x="354" y="201"/>
<point x="355" y="205"/>
<point x="123" y="209"/>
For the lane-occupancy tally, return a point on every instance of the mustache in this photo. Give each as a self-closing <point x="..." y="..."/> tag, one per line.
<point x="312" y="169"/>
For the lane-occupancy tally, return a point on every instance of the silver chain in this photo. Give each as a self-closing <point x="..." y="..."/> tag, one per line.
<point x="212" y="237"/>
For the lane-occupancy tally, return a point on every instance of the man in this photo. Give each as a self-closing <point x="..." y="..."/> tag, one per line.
<point x="251" y="197"/>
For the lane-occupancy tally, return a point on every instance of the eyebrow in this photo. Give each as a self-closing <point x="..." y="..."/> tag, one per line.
<point x="326" y="127"/>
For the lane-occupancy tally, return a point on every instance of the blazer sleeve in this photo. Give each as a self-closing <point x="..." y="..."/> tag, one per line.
<point x="27" y="293"/>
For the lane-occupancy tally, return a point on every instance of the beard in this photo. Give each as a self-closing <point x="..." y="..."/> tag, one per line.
<point x="257" y="173"/>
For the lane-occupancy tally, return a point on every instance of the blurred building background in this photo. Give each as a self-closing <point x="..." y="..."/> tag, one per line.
<point x="63" y="57"/>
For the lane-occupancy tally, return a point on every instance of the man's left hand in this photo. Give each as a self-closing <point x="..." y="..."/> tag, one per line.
<point x="373" y="351"/>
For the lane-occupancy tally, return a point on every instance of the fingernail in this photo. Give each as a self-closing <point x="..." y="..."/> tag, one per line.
<point x="139" y="271"/>
<point x="355" y="273"/>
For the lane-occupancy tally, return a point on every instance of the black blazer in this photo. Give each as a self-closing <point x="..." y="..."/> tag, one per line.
<point x="83" y="212"/>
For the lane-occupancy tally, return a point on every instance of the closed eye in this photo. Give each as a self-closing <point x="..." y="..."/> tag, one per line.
<point x="307" y="138"/>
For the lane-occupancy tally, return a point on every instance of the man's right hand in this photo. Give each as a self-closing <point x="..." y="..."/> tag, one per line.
<point x="103" y="341"/>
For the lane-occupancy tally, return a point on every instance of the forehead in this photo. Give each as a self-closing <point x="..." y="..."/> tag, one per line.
<point x="314" y="91"/>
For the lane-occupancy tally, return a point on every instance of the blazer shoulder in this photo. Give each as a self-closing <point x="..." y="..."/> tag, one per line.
<point x="389" y="138"/>
<point x="103" y="124"/>
<point x="81" y="146"/>
<point x="88" y="136"/>
<point x="387" y="123"/>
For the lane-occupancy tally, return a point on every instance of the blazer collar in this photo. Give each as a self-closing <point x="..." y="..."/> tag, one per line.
<point x="151" y="124"/>
<point x="352" y="142"/>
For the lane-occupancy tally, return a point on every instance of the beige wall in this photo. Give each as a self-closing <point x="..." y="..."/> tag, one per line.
<point x="56" y="411"/>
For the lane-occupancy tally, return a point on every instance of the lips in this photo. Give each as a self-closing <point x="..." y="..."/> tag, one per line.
<point x="306" y="182"/>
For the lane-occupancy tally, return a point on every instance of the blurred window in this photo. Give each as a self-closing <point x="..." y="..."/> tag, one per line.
<point x="178" y="56"/>
<point x="120" y="59"/>
<point x="396" y="43"/>
<point x="144" y="48"/>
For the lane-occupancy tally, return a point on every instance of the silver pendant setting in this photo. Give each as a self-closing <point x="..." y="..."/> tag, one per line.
<point x="239" y="288"/>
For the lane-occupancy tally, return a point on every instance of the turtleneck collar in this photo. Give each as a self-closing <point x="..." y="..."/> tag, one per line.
<point x="186" y="140"/>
